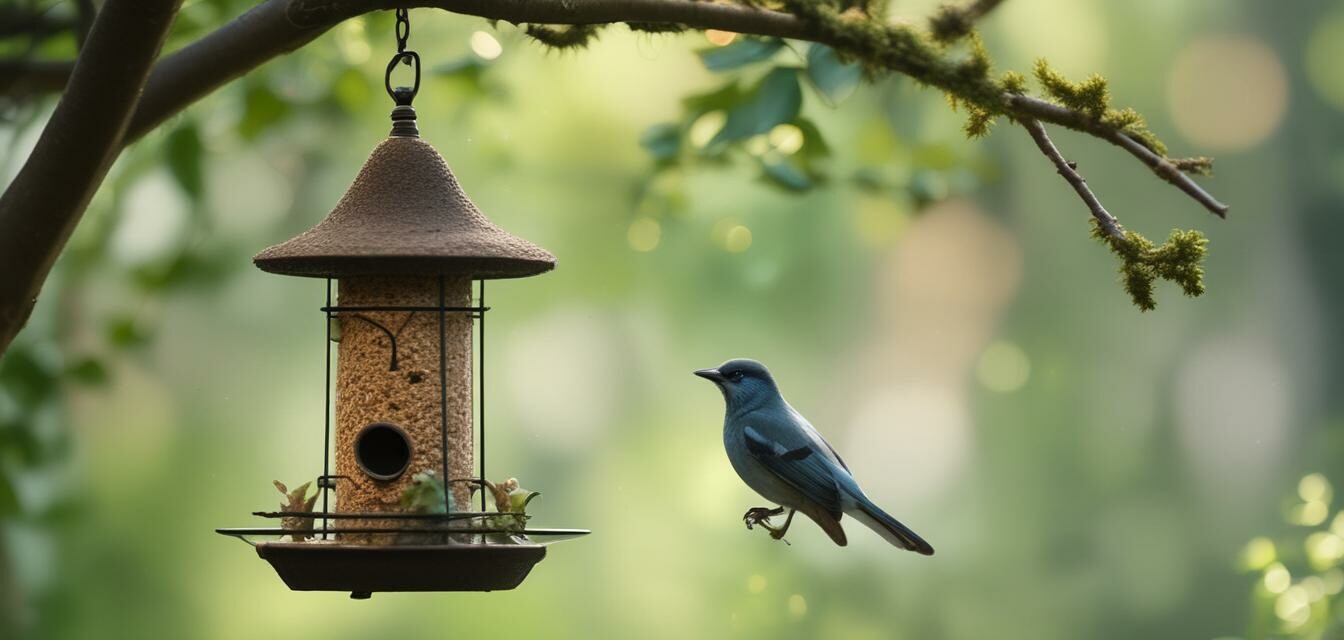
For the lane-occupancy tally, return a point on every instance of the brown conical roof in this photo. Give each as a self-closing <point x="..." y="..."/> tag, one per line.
<point x="405" y="214"/>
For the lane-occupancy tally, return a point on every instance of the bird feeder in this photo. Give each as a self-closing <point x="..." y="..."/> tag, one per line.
<point x="404" y="247"/>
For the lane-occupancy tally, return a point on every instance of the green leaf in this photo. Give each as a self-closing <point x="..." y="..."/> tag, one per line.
<point x="196" y="269"/>
<point x="663" y="141"/>
<point x="88" y="371"/>
<point x="786" y="175"/>
<point x="9" y="500"/>
<point x="183" y="148"/>
<point x="833" y="79"/>
<point x="468" y="71"/>
<point x="725" y="97"/>
<point x="814" y="144"/>
<point x="28" y="379"/>
<point x="774" y="101"/>
<point x="262" y="109"/>
<point x="739" y="54"/>
<point x="122" y="331"/>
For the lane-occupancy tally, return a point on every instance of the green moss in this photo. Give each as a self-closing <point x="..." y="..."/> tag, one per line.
<point x="573" y="36"/>
<point x="1198" y="165"/>
<point x="1093" y="97"/>
<point x="656" y="27"/>
<point x="1013" y="82"/>
<point x="1179" y="260"/>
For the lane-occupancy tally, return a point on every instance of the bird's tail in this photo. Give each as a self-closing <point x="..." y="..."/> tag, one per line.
<point x="886" y="526"/>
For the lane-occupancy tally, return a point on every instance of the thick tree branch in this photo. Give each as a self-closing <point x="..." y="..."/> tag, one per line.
<point x="41" y="207"/>
<point x="1070" y="172"/>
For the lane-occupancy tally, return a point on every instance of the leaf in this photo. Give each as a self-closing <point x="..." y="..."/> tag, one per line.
<point x="662" y="141"/>
<point x="739" y="54"/>
<point x="9" y="500"/>
<point x="28" y="379"/>
<point x="725" y="97"/>
<point x="183" y="148"/>
<point x="88" y="371"/>
<point x="814" y="144"/>
<point x="189" y="268"/>
<point x="833" y="79"/>
<point x="469" y="70"/>
<point x="774" y="101"/>
<point x="519" y="498"/>
<point x="786" y="175"/>
<point x="261" y="110"/>
<point x="122" y="331"/>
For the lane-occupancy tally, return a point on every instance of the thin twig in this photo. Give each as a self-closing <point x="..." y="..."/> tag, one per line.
<point x="1029" y="108"/>
<point x="1070" y="172"/>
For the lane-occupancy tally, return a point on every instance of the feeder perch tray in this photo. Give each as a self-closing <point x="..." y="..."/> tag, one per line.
<point x="363" y="569"/>
<point x="494" y="560"/>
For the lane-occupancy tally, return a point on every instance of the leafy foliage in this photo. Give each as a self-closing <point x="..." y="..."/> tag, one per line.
<point x="298" y="500"/>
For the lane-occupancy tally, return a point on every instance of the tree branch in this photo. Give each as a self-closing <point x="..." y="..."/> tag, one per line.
<point x="1070" y="172"/>
<point x="41" y="207"/>
<point x="83" y="135"/>
<point x="275" y="27"/>
<point x="1029" y="108"/>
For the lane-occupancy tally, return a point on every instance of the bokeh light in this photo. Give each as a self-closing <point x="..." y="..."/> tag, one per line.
<point x="786" y="139"/>
<point x="1227" y="93"/>
<point x="1258" y="553"/>
<point x="644" y="234"/>
<point x="485" y="45"/>
<point x="720" y="38"/>
<point x="1277" y="579"/>
<point x="706" y="126"/>
<point x="1003" y="367"/>
<point x="797" y="605"/>
<point x="1293" y="607"/>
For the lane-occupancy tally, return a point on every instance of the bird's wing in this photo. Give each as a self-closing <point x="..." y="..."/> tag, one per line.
<point x="816" y="438"/>
<point x="798" y="462"/>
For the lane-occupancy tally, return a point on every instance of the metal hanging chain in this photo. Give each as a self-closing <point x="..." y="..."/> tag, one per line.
<point x="403" y="95"/>
<point x="403" y="28"/>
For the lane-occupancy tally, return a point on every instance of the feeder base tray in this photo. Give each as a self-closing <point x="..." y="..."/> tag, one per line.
<point x="364" y="569"/>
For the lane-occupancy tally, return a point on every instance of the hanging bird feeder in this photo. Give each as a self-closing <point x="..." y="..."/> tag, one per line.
<point x="405" y="246"/>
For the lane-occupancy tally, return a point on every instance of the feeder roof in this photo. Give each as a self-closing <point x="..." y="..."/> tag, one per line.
<point x="405" y="214"/>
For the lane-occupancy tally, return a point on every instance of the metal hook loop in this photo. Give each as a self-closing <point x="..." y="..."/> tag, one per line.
<point x="403" y="95"/>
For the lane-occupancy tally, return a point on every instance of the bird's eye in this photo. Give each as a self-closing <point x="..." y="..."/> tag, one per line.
<point x="735" y="376"/>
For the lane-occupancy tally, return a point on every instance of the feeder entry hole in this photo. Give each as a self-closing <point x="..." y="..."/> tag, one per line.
<point x="383" y="451"/>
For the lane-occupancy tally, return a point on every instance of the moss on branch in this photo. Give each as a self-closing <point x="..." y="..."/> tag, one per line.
<point x="1180" y="260"/>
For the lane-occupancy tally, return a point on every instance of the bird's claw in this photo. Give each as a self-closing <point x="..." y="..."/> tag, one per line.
<point x="761" y="516"/>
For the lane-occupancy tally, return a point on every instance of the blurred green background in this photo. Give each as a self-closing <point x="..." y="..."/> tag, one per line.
<point x="932" y="304"/>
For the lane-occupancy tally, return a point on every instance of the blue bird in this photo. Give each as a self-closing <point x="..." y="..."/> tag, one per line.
<point x="780" y="456"/>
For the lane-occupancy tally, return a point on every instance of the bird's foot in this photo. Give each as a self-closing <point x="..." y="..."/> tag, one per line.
<point x="761" y="516"/>
<point x="778" y="533"/>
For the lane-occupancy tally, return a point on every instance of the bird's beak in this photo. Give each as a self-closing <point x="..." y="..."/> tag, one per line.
<point x="710" y="374"/>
